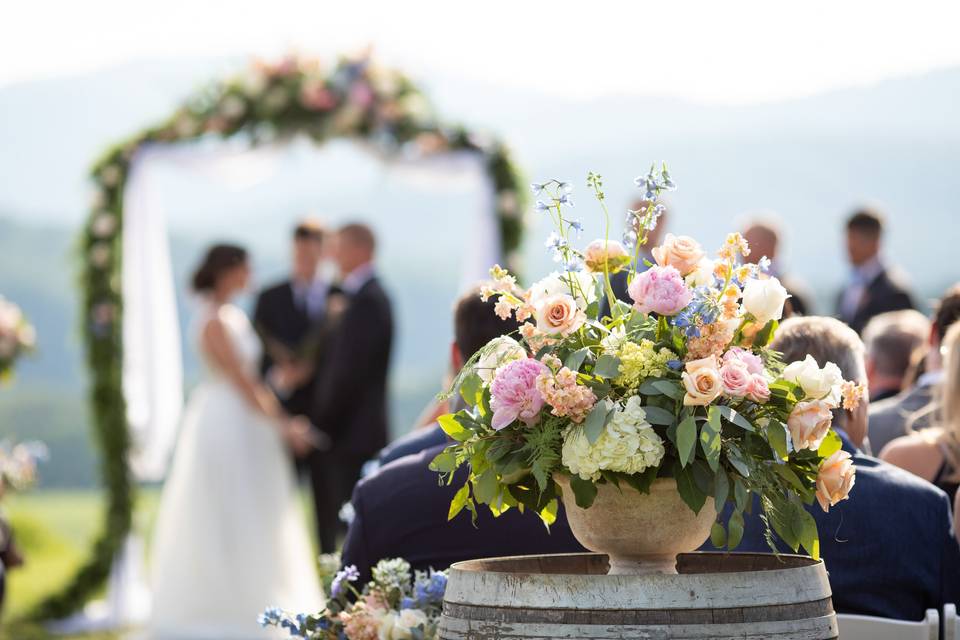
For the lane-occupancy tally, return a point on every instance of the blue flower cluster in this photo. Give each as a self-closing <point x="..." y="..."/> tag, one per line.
<point x="428" y="589"/>
<point x="277" y="617"/>
<point x="655" y="182"/>
<point x="704" y="307"/>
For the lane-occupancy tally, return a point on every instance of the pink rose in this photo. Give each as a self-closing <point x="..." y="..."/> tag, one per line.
<point x="606" y="255"/>
<point x="809" y="423"/>
<point x="759" y="390"/>
<point x="736" y="379"/>
<point x="835" y="479"/>
<point x="702" y="382"/>
<point x="753" y="362"/>
<point x="559" y="313"/>
<point x="660" y="290"/>
<point x="514" y="394"/>
<point x="681" y="252"/>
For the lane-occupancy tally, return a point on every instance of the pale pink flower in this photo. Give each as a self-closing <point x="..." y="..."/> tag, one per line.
<point x="608" y="256"/>
<point x="835" y="479"/>
<point x="315" y="96"/>
<point x="514" y="394"/>
<point x="753" y="362"/>
<point x="759" y="390"/>
<point x="565" y="396"/>
<point x="702" y="382"/>
<point x="503" y="308"/>
<point x="660" y="290"/>
<point x="736" y="378"/>
<point x="809" y="423"/>
<point x="559" y="313"/>
<point x="681" y="252"/>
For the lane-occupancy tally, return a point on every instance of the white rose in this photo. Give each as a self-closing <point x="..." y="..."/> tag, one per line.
<point x="702" y="275"/>
<point x="817" y="383"/>
<point x="763" y="299"/>
<point x="585" y="287"/>
<point x="404" y="623"/>
<point x="495" y="354"/>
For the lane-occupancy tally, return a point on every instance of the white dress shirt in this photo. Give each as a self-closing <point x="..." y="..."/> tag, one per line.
<point x="355" y="280"/>
<point x="860" y="279"/>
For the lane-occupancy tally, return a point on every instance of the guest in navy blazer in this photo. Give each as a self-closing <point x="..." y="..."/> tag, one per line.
<point x="889" y="549"/>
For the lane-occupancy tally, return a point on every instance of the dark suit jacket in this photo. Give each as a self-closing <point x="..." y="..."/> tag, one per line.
<point x="279" y="320"/>
<point x="400" y="511"/>
<point x="890" y="418"/>
<point x="350" y="402"/>
<point x="414" y="442"/>
<point x="889" y="548"/>
<point x="884" y="293"/>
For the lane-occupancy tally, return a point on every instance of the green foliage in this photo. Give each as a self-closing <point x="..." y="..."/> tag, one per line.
<point x="686" y="439"/>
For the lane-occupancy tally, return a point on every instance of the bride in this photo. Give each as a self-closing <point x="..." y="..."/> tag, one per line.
<point x="230" y="536"/>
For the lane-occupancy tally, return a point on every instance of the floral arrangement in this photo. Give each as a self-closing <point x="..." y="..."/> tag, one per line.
<point x="18" y="464"/>
<point x="679" y="383"/>
<point x="398" y="604"/>
<point x="17" y="337"/>
<point x="269" y="101"/>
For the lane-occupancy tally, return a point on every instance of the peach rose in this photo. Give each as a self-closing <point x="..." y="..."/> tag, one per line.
<point x="835" y="479"/>
<point x="809" y="423"/>
<point x="607" y="255"/>
<point x="559" y="314"/>
<point x="736" y="378"/>
<point x="680" y="252"/>
<point x="759" y="390"/>
<point x="701" y="381"/>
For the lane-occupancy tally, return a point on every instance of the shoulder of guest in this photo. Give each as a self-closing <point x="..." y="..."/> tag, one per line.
<point x="273" y="289"/>
<point x="899" y="487"/>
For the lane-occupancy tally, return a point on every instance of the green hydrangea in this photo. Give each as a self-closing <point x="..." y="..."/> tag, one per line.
<point x="641" y="361"/>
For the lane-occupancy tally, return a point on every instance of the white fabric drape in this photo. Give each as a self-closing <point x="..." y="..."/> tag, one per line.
<point x="152" y="363"/>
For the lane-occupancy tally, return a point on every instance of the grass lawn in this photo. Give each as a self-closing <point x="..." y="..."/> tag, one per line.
<point x="55" y="530"/>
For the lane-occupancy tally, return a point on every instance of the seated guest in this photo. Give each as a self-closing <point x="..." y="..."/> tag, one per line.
<point x="889" y="549"/>
<point x="892" y="340"/>
<point x="474" y="325"/>
<point x="934" y="453"/>
<point x="401" y="511"/>
<point x="763" y="236"/>
<point x="873" y="288"/>
<point x="894" y="417"/>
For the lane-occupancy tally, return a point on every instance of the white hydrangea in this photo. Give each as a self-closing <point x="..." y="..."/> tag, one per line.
<point x="614" y="341"/>
<point x="627" y="444"/>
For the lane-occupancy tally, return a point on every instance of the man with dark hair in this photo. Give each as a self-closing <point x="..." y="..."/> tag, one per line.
<point x="401" y="510"/>
<point x="474" y="325"/>
<point x="873" y="289"/>
<point x="893" y="340"/>
<point x="889" y="549"/>
<point x="915" y="407"/>
<point x="763" y="236"/>
<point x="350" y="402"/>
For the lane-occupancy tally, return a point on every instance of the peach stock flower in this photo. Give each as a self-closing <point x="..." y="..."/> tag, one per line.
<point x="559" y="314"/>
<point x="680" y="252"/>
<point x="835" y="479"/>
<point x="702" y="382"/>
<point x="809" y="423"/>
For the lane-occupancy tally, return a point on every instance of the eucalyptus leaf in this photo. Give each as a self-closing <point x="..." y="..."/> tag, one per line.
<point x="597" y="419"/>
<point x="710" y="439"/>
<point x="485" y="486"/>
<point x="734" y="530"/>
<point x="575" y="359"/>
<point x="686" y="439"/>
<point x="733" y="416"/>
<point x="777" y="436"/>
<point x="721" y="489"/>
<point x="607" y="367"/>
<point x="687" y="487"/>
<point x="668" y="388"/>
<point x="584" y="491"/>
<point x="718" y="535"/>
<point x="656" y="415"/>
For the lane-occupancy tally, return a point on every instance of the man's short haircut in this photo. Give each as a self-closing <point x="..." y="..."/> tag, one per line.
<point x="866" y="221"/>
<point x="826" y="339"/>
<point x="309" y="229"/>
<point x="475" y="323"/>
<point x="358" y="234"/>
<point x="947" y="311"/>
<point x="892" y="340"/>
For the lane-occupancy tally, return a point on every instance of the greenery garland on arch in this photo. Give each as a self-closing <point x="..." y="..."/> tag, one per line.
<point x="354" y="99"/>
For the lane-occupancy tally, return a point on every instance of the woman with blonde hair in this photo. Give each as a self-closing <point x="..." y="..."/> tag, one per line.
<point x="934" y="453"/>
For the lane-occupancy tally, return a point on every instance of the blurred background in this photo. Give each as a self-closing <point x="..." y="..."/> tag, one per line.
<point x="756" y="107"/>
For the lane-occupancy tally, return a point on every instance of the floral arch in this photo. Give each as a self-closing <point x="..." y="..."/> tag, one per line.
<point x="268" y="103"/>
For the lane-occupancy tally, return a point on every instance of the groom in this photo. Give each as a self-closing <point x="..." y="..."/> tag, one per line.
<point x="294" y="319"/>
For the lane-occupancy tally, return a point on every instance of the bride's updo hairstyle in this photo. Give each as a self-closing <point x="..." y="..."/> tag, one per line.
<point x="220" y="258"/>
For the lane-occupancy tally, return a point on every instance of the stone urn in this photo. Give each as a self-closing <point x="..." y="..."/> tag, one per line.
<point x="640" y="533"/>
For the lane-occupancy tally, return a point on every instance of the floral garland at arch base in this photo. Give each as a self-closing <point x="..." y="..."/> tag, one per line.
<point x="269" y="102"/>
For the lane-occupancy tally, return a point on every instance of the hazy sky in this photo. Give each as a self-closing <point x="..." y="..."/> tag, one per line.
<point x="728" y="52"/>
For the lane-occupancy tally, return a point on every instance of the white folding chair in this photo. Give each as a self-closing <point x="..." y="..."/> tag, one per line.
<point x="853" y="627"/>
<point x="951" y="627"/>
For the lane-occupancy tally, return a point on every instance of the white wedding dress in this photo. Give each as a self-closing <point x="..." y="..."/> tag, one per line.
<point x="231" y="539"/>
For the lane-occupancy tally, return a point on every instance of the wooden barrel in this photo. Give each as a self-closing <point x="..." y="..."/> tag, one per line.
<point x="714" y="595"/>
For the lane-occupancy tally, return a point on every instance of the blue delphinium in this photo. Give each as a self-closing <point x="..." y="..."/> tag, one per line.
<point x="541" y="206"/>
<point x="349" y="574"/>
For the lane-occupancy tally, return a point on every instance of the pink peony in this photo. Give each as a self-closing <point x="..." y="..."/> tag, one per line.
<point x="736" y="379"/>
<point x="759" y="390"/>
<point x="753" y="362"/>
<point x="514" y="394"/>
<point x="660" y="290"/>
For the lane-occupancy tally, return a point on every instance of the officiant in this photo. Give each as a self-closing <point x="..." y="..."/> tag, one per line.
<point x="294" y="319"/>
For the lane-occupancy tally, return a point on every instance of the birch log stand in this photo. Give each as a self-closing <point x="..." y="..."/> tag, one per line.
<point x="714" y="595"/>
